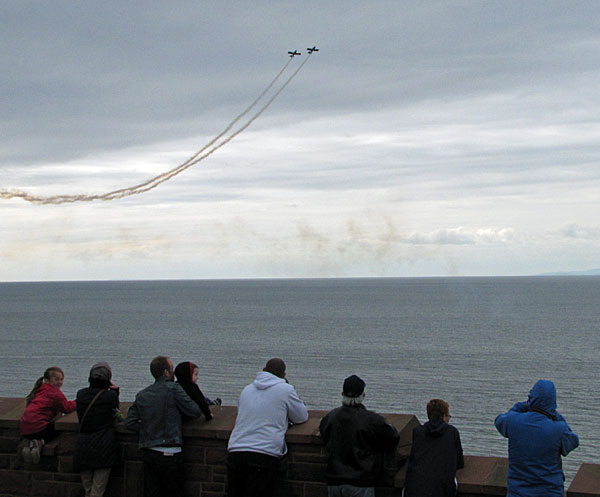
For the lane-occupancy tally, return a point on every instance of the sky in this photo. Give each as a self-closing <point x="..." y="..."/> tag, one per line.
<point x="425" y="138"/>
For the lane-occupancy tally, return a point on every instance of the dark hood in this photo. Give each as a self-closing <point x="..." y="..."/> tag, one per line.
<point x="543" y="396"/>
<point x="184" y="371"/>
<point x="435" y="428"/>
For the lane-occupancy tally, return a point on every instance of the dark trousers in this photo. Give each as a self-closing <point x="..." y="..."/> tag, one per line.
<point x="251" y="474"/>
<point x="163" y="474"/>
<point x="47" y="434"/>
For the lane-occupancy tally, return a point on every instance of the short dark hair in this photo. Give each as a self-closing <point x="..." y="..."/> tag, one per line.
<point x="437" y="409"/>
<point x="275" y="366"/>
<point x="158" y="366"/>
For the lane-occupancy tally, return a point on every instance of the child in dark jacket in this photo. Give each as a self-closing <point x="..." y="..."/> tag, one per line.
<point x="43" y="404"/>
<point x="187" y="377"/>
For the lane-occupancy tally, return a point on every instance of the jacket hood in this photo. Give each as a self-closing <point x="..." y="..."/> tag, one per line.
<point x="266" y="380"/>
<point x="435" y="428"/>
<point x="543" y="396"/>
<point x="183" y="372"/>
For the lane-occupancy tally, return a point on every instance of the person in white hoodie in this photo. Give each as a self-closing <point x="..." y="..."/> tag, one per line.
<point x="257" y="442"/>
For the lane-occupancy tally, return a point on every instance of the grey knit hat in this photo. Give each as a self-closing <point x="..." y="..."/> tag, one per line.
<point x="101" y="371"/>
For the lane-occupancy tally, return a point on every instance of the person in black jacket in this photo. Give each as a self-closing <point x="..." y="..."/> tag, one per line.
<point x="355" y="441"/>
<point x="97" y="450"/>
<point x="187" y="376"/>
<point x="435" y="455"/>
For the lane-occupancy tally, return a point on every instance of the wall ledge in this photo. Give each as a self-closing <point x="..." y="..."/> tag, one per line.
<point x="206" y="452"/>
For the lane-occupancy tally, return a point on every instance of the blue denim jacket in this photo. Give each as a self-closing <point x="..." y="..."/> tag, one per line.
<point x="156" y="414"/>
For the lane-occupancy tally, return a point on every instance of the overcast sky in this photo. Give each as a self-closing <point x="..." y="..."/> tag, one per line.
<point x="424" y="138"/>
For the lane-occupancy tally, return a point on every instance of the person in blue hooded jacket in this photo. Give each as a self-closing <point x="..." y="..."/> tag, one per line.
<point x="537" y="438"/>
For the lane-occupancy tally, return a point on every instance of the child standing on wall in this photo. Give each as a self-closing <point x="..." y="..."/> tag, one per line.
<point x="43" y="404"/>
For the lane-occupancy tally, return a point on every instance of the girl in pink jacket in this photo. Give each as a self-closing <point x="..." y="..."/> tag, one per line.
<point x="43" y="404"/>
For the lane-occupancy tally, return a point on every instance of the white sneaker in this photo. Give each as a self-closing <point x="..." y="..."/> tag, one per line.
<point x="36" y="451"/>
<point x="26" y="453"/>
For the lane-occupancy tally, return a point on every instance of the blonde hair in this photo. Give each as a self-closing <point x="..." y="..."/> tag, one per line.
<point x="51" y="371"/>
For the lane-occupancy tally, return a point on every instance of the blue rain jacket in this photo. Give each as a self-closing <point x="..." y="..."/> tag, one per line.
<point x="537" y="437"/>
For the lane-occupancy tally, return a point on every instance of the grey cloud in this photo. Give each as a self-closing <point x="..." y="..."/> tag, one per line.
<point x="460" y="236"/>
<point x="575" y="231"/>
<point x="84" y="77"/>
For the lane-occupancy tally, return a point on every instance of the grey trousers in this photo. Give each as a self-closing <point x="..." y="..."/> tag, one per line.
<point x="350" y="491"/>
<point x="95" y="481"/>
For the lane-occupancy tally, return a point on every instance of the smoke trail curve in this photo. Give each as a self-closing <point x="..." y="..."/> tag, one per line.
<point x="163" y="177"/>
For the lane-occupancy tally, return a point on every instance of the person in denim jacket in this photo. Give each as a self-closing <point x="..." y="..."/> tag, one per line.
<point x="156" y="416"/>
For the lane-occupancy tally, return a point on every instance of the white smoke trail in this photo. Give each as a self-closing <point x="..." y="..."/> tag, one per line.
<point x="152" y="183"/>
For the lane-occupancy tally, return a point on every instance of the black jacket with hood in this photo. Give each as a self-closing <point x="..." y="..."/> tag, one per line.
<point x="355" y="440"/>
<point x="435" y="456"/>
<point x="183" y="372"/>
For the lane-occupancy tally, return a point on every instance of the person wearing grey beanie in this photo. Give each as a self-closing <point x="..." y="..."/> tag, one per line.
<point x="97" y="450"/>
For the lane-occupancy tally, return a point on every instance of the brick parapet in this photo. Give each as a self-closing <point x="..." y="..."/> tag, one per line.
<point x="205" y="453"/>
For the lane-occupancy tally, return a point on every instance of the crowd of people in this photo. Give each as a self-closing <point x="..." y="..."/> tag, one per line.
<point x="355" y="439"/>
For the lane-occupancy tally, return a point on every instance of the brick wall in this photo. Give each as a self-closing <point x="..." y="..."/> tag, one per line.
<point x="205" y="453"/>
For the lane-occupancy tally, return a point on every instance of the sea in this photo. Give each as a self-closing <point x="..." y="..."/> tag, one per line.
<point x="478" y="343"/>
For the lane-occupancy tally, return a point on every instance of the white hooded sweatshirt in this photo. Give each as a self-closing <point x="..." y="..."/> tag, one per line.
<point x="263" y="412"/>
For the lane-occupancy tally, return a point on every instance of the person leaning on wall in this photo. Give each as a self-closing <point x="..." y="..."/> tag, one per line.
<point x="97" y="449"/>
<point x="355" y="442"/>
<point x="435" y="455"/>
<point x="257" y="442"/>
<point x="156" y="415"/>
<point x="537" y="438"/>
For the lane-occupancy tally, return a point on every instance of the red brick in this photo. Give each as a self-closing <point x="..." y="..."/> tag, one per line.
<point x="197" y="472"/>
<point x="290" y="489"/>
<point x="204" y="442"/>
<point x="213" y="487"/>
<point x="66" y="464"/>
<point x="306" y="472"/>
<point x="70" y="477"/>
<point x="47" y="488"/>
<point x="10" y="433"/>
<point x="18" y="482"/>
<point x="8" y="444"/>
<point x="49" y="464"/>
<point x="43" y="475"/>
<point x="388" y="492"/>
<point x="216" y="456"/>
<point x="295" y="449"/>
<point x="116" y="487"/>
<point x="191" y="489"/>
<point x="315" y="490"/>
<point x="134" y="479"/>
<point x="218" y="469"/>
<point x="218" y="478"/>
<point x="131" y="452"/>
<point x="194" y="453"/>
<point x="310" y="458"/>
<point x="67" y="442"/>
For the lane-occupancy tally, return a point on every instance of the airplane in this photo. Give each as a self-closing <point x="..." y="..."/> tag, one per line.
<point x="295" y="52"/>
<point x="313" y="49"/>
